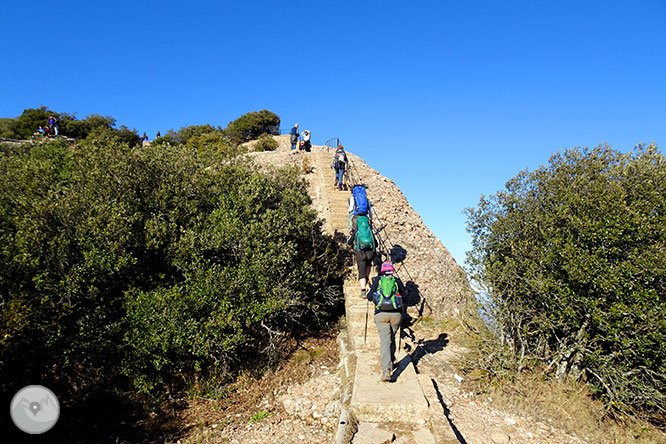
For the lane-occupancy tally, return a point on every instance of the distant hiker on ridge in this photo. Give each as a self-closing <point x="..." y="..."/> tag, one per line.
<point x="294" y="137"/>
<point x="386" y="294"/>
<point x="340" y="164"/>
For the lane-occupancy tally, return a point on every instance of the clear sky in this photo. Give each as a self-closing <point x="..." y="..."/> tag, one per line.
<point x="449" y="99"/>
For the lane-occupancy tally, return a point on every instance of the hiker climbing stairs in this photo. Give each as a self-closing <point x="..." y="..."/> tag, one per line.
<point x="399" y="408"/>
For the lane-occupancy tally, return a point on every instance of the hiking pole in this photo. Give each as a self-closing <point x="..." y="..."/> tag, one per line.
<point x="400" y="333"/>
<point x="367" y="308"/>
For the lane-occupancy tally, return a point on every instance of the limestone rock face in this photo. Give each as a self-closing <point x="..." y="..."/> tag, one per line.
<point x="429" y="267"/>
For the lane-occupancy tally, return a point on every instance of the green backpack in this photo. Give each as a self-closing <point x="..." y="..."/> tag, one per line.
<point x="364" y="240"/>
<point x="386" y="298"/>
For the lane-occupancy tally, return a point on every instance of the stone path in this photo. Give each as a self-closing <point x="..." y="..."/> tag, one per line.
<point x="384" y="412"/>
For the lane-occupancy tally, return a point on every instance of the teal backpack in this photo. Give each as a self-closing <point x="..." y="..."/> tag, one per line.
<point x="364" y="240"/>
<point x="386" y="298"/>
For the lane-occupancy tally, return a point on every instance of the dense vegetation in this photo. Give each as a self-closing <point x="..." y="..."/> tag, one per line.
<point x="152" y="269"/>
<point x="572" y="258"/>
<point x="253" y="124"/>
<point x="24" y="126"/>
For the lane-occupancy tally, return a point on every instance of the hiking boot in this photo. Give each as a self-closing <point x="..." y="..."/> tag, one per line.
<point x="364" y="294"/>
<point x="386" y="376"/>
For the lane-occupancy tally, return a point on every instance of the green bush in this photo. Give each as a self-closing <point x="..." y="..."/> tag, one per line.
<point x="203" y="138"/>
<point x="252" y="125"/>
<point x="266" y="143"/>
<point x="151" y="267"/>
<point x="25" y="125"/>
<point x="573" y="259"/>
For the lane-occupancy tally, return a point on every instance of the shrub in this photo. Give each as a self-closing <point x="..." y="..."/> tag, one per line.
<point x="266" y="143"/>
<point x="252" y="125"/>
<point x="572" y="259"/>
<point x="158" y="266"/>
<point x="80" y="129"/>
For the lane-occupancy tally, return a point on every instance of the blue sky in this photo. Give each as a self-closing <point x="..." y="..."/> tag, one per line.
<point x="448" y="99"/>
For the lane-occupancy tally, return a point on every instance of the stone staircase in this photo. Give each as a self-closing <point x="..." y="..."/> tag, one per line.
<point x="384" y="412"/>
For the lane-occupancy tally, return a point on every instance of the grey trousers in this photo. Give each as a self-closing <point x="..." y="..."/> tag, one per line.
<point x="387" y="324"/>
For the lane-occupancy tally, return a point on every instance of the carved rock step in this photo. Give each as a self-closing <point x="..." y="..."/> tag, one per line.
<point x="376" y="401"/>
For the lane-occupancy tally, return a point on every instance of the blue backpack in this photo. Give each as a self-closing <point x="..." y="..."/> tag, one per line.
<point x="387" y="298"/>
<point x="361" y="204"/>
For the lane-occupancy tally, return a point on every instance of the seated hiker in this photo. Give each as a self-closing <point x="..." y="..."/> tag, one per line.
<point x="340" y="164"/>
<point x="365" y="246"/>
<point x="387" y="293"/>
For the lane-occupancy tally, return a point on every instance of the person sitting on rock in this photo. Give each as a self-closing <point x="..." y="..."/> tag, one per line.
<point x="387" y="294"/>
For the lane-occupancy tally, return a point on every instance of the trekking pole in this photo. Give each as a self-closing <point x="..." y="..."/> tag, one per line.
<point x="400" y="331"/>
<point x="367" y="308"/>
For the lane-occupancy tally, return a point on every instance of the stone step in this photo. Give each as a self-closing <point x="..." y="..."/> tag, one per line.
<point x="398" y="433"/>
<point x="376" y="401"/>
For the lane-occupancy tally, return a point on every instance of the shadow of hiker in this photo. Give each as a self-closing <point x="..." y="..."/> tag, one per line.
<point x="431" y="346"/>
<point x="400" y="367"/>
<point x="397" y="254"/>
<point x="413" y="297"/>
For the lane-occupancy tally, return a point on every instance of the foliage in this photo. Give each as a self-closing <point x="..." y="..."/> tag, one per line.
<point x="266" y="143"/>
<point x="252" y="125"/>
<point x="151" y="266"/>
<point x="186" y="134"/>
<point x="6" y="128"/>
<point x="260" y="415"/>
<point x="572" y="258"/>
<point x="25" y="125"/>
<point x="80" y="129"/>
<point x="203" y="138"/>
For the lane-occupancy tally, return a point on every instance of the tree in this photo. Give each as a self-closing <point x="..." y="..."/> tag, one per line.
<point x="149" y="267"/>
<point x="253" y="124"/>
<point x="572" y="258"/>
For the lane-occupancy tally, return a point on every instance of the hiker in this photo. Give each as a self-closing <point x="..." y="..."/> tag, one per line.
<point x="307" y="146"/>
<point x="339" y="163"/>
<point x="56" y="126"/>
<point x="358" y="206"/>
<point x="387" y="294"/>
<point x="144" y="138"/>
<point x="158" y="135"/>
<point x="294" y="136"/>
<point x="365" y="245"/>
<point x="51" y="124"/>
<point x="47" y="131"/>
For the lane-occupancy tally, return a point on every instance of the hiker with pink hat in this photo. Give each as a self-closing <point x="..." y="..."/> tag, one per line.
<point x="387" y="294"/>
